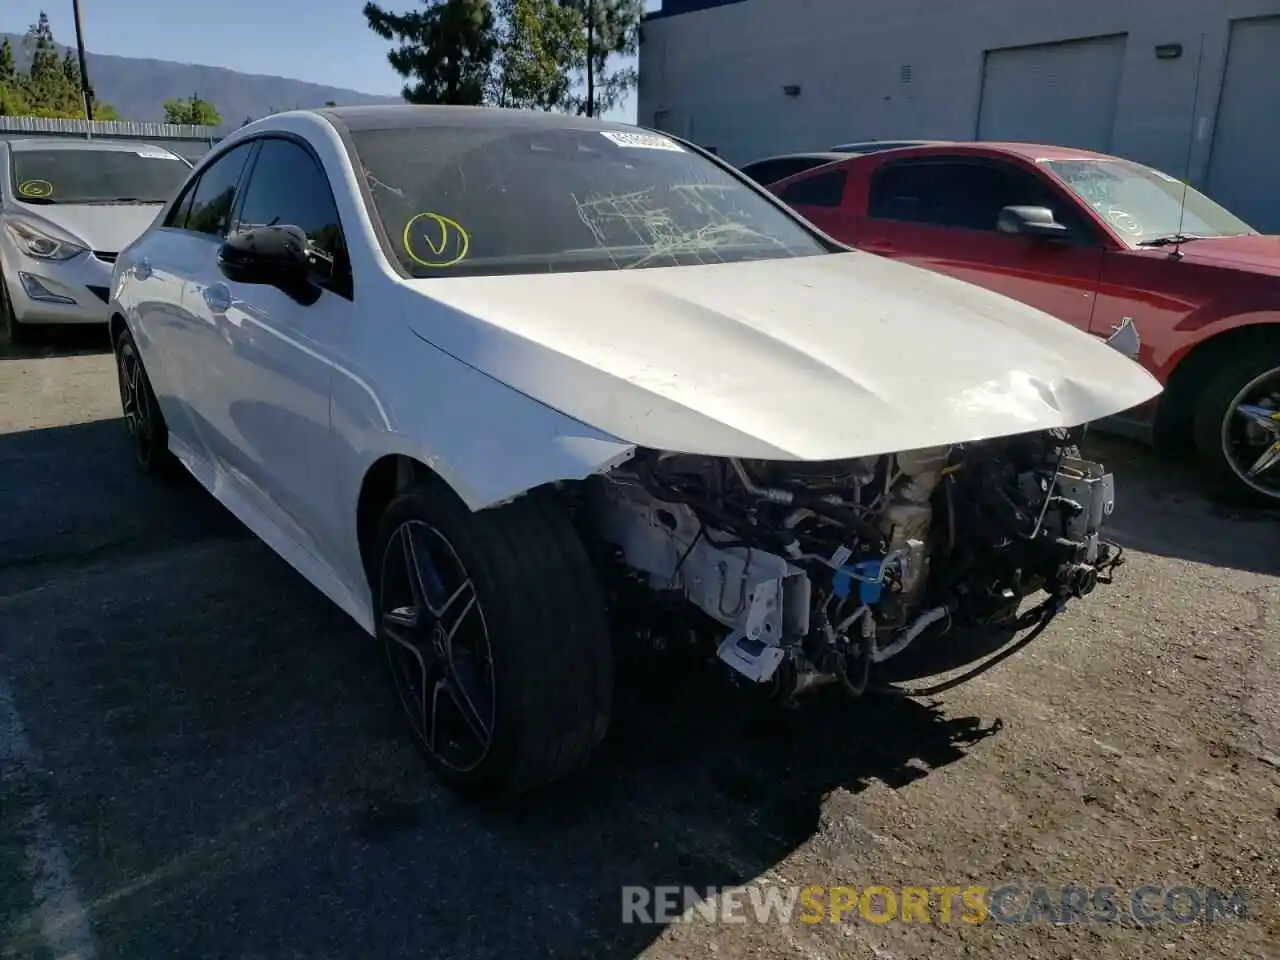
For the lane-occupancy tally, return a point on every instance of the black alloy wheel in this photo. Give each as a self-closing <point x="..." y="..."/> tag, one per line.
<point x="437" y="646"/>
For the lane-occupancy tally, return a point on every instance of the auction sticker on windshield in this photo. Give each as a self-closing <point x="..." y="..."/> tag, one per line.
<point x="641" y="141"/>
<point x="155" y="155"/>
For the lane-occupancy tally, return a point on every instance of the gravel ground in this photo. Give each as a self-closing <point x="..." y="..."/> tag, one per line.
<point x="198" y="757"/>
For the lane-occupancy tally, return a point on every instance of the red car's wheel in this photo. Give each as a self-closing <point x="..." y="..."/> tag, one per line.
<point x="1237" y="427"/>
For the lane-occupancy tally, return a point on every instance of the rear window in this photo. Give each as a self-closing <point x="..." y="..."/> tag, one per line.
<point x="512" y="198"/>
<point x="144" y="175"/>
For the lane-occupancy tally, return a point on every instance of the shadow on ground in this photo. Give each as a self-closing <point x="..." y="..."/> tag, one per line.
<point x="227" y="770"/>
<point x="229" y="775"/>
<point x="1162" y="507"/>
<point x="63" y="340"/>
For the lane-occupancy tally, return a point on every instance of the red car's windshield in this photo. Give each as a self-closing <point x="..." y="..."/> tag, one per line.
<point x="1143" y="204"/>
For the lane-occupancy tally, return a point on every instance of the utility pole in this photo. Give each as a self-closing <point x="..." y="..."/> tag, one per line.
<point x="591" y="65"/>
<point x="86" y="89"/>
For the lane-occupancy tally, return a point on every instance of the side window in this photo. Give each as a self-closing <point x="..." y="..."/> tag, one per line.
<point x="766" y="171"/>
<point x="288" y="187"/>
<point x="182" y="209"/>
<point x="771" y="171"/>
<point x="215" y="195"/>
<point x="820" y="190"/>
<point x="966" y="195"/>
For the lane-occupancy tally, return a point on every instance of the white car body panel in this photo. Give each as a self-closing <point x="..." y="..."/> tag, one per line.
<point x="503" y="384"/>
<point x="812" y="358"/>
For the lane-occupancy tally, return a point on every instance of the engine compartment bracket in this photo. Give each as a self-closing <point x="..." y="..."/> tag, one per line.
<point x="753" y="659"/>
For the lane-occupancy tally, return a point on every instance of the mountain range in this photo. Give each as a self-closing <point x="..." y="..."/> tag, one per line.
<point x="138" y="87"/>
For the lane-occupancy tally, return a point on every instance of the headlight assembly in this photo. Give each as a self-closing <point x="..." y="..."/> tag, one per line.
<point x="38" y="244"/>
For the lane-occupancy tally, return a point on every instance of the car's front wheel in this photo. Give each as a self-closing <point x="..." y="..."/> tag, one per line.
<point x="148" y="434"/>
<point x="17" y="333"/>
<point x="494" y="631"/>
<point x="1237" y="427"/>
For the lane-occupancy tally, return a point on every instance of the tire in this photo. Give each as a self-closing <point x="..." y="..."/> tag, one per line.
<point x="148" y="433"/>
<point x="545" y="689"/>
<point x="1215" y="420"/>
<point x="17" y="333"/>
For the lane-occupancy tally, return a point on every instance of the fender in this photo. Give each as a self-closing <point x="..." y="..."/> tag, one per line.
<point x="487" y="441"/>
<point x="1165" y="362"/>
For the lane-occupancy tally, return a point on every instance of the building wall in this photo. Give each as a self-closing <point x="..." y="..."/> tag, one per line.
<point x="890" y="69"/>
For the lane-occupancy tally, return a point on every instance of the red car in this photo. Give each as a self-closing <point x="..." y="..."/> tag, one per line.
<point x="1093" y="240"/>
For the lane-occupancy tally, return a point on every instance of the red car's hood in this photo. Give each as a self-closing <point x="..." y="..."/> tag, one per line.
<point x="1257" y="254"/>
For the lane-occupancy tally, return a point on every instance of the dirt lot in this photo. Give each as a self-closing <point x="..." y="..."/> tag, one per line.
<point x="198" y="757"/>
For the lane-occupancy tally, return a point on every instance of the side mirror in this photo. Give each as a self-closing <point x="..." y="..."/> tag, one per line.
<point x="275" y="256"/>
<point x="1030" y="222"/>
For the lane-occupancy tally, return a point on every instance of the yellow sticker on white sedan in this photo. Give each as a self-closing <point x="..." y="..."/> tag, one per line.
<point x="35" y="189"/>
<point x="435" y="241"/>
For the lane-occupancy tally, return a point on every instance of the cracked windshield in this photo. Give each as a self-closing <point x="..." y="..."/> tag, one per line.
<point x="527" y="197"/>
<point x="1143" y="204"/>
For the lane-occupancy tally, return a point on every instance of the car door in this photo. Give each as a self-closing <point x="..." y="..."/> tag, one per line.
<point x="819" y="197"/>
<point x="172" y="334"/>
<point x="273" y="350"/>
<point x="941" y="213"/>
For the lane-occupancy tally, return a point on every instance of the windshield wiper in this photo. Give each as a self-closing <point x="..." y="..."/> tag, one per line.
<point x="123" y="200"/>
<point x="35" y="200"/>
<point x="1170" y="240"/>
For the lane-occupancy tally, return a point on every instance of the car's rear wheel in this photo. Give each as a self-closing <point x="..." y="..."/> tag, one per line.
<point x="148" y="434"/>
<point x="1237" y="427"/>
<point x="495" y="635"/>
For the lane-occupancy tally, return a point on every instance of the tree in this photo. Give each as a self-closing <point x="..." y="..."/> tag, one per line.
<point x="446" y="50"/>
<point x="539" y="46"/>
<point x="51" y="86"/>
<point x="609" y="28"/>
<point x="46" y="76"/>
<point x="192" y="110"/>
<point x="8" y="69"/>
<point x="71" y="71"/>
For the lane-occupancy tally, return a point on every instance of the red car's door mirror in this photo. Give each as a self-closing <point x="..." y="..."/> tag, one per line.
<point x="1030" y="222"/>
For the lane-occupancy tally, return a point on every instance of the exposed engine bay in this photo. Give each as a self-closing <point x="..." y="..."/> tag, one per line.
<point x="806" y="573"/>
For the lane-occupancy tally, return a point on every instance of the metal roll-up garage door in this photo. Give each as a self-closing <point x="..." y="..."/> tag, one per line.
<point x="1246" y="143"/>
<point x="1057" y="93"/>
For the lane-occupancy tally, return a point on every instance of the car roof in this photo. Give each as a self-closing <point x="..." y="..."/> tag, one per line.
<point x="879" y="146"/>
<point x="22" y="144"/>
<point x="1026" y="151"/>
<point x="412" y="116"/>
<point x="814" y="155"/>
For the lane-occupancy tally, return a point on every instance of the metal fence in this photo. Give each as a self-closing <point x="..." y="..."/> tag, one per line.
<point x="188" y="140"/>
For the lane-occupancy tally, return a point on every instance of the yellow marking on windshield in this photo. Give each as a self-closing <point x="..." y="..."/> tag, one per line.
<point x="452" y="237"/>
<point x="36" y="189"/>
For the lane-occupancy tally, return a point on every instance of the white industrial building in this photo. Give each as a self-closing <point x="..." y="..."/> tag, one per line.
<point x="1189" y="86"/>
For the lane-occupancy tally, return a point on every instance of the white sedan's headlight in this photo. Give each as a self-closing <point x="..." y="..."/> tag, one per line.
<point x="39" y="244"/>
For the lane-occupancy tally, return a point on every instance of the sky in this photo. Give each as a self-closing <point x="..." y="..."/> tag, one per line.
<point x="321" y="41"/>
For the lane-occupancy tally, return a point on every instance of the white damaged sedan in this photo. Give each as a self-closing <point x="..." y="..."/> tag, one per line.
<point x="510" y="388"/>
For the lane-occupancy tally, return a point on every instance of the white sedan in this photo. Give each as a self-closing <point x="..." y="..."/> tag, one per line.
<point x="512" y="388"/>
<point x="67" y="207"/>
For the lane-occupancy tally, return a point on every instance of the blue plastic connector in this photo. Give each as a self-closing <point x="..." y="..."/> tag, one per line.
<point x="859" y="573"/>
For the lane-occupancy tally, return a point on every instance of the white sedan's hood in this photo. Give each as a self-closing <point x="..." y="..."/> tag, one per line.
<point x="814" y="358"/>
<point x="99" y="226"/>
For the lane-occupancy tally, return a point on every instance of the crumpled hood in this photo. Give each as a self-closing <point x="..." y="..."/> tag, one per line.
<point x="814" y="358"/>
<point x="99" y="226"/>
